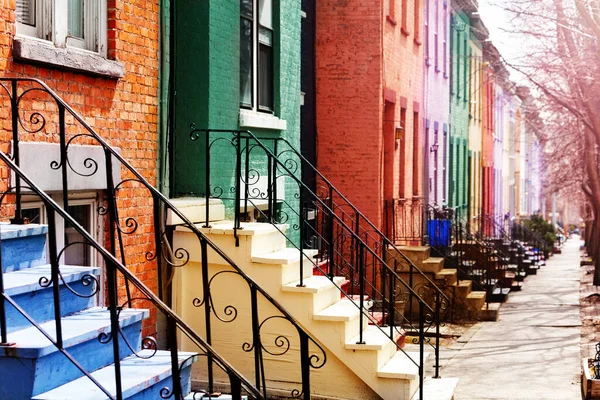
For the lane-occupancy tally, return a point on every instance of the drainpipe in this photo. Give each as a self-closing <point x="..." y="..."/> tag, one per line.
<point x="164" y="74"/>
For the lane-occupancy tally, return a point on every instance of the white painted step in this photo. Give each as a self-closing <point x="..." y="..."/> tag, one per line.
<point x="402" y="366"/>
<point x="314" y="284"/>
<point x="375" y="338"/>
<point x="344" y="310"/>
<point x="77" y="328"/>
<point x="137" y="374"/>
<point x="438" y="389"/>
<point x="28" y="280"/>
<point x="285" y="256"/>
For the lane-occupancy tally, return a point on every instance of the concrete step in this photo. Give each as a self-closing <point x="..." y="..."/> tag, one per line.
<point x="288" y="259"/>
<point x="464" y="287"/>
<point x="344" y="310"/>
<point x="41" y="367"/>
<point x="286" y="256"/>
<point x="324" y="291"/>
<point x="432" y="264"/>
<point x="476" y="299"/>
<point x="438" y="389"/>
<point x="374" y="338"/>
<point x="23" y="246"/>
<point x="490" y="312"/>
<point x="402" y="366"/>
<point x="449" y="275"/>
<point x="23" y="286"/>
<point x="141" y="379"/>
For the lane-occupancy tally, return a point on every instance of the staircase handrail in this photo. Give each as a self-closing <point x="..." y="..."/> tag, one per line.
<point x="337" y="192"/>
<point x="113" y="262"/>
<point x="238" y="135"/>
<point x="308" y="361"/>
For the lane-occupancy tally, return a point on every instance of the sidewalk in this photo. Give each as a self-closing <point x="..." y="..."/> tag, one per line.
<point x="533" y="351"/>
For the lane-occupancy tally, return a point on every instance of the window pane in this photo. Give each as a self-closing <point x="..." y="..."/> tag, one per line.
<point x="33" y="214"/>
<point x="246" y="8"/>
<point x="76" y="18"/>
<point x="26" y="12"/>
<point x="78" y="254"/>
<point x="246" y="61"/>
<point x="265" y="78"/>
<point x="265" y="13"/>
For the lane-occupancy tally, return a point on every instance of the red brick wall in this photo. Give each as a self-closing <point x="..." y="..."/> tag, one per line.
<point x="123" y="111"/>
<point x="350" y="100"/>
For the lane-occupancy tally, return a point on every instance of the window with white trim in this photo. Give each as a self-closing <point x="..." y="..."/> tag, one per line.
<point x="84" y="211"/>
<point x="256" y="55"/>
<point x="66" y="23"/>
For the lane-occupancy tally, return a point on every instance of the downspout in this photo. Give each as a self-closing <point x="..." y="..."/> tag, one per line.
<point x="164" y="74"/>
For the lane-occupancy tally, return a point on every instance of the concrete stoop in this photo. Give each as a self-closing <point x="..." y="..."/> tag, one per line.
<point x="373" y="369"/>
<point x="467" y="304"/>
<point x="34" y="368"/>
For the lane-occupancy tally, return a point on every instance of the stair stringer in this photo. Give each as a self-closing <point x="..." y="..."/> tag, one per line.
<point x="363" y="362"/>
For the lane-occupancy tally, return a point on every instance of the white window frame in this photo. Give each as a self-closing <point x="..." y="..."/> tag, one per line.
<point x="52" y="25"/>
<point x="268" y="24"/>
<point x="76" y="200"/>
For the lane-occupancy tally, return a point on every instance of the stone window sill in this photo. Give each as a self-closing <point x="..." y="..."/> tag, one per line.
<point x="38" y="51"/>
<point x="253" y="119"/>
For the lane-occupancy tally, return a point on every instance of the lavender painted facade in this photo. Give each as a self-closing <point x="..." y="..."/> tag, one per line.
<point x="437" y="99"/>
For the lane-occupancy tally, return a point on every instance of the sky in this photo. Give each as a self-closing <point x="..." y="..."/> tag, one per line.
<point x="496" y="18"/>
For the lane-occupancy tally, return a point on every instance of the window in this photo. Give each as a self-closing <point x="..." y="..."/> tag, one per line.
<point x="256" y="55"/>
<point x="405" y="17"/>
<point x="390" y="9"/>
<point x="77" y="23"/>
<point x="416" y="151"/>
<point x="436" y="36"/>
<point x="83" y="210"/>
<point x="402" y="171"/>
<point x="445" y="45"/>
<point x="427" y="38"/>
<point x="417" y="22"/>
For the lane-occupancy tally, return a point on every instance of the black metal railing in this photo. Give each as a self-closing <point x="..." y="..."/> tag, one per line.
<point x="265" y="185"/>
<point x="136" y="228"/>
<point x="524" y="234"/>
<point x="404" y="220"/>
<point x="476" y="258"/>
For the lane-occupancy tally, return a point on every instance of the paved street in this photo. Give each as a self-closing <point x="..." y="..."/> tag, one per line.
<point x="532" y="352"/>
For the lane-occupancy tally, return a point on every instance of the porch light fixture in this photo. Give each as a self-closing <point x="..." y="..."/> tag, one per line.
<point x="399" y="132"/>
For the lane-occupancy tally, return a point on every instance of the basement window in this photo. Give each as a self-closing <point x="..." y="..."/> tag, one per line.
<point x="83" y="210"/>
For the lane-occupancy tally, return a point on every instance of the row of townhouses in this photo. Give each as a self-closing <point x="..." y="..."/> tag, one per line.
<point x="264" y="198"/>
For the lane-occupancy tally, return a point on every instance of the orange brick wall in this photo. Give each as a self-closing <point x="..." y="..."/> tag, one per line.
<point x="349" y="99"/>
<point x="123" y="111"/>
<point x="368" y="66"/>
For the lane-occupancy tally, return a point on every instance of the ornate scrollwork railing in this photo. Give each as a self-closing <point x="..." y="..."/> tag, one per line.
<point x="135" y="220"/>
<point x="348" y="244"/>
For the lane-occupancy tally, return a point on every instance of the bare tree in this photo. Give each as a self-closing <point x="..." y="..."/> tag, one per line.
<point x="562" y="63"/>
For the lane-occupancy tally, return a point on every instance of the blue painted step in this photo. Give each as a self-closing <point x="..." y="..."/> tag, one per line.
<point x="24" y="288"/>
<point x="199" y="396"/>
<point x="23" y="246"/>
<point x="34" y="365"/>
<point x="141" y="379"/>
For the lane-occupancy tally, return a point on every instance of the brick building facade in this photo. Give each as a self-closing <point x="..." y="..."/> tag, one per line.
<point x="106" y="67"/>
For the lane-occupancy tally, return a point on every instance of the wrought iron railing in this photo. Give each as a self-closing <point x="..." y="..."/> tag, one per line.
<point x="319" y="216"/>
<point x="404" y="220"/>
<point x="137" y="234"/>
<point x="476" y="257"/>
<point x="524" y="234"/>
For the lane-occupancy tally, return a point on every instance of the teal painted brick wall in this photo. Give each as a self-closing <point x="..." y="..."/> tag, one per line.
<point x="459" y="114"/>
<point x="215" y="104"/>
